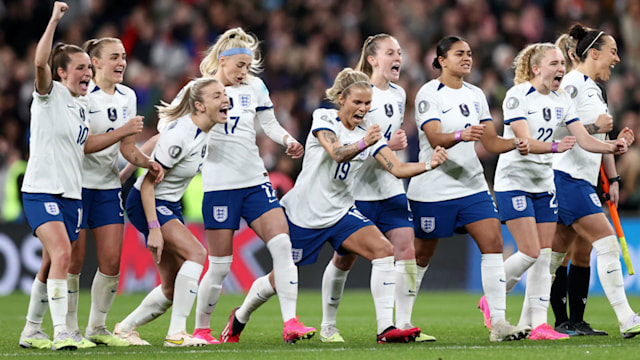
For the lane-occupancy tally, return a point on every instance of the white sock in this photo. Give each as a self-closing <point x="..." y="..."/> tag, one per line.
<point x="38" y="305"/>
<point x="539" y="288"/>
<point x="103" y="292"/>
<point x="210" y="288"/>
<point x="73" y="298"/>
<point x="405" y="297"/>
<point x="515" y="266"/>
<point x="610" y="274"/>
<point x="493" y="285"/>
<point x="57" y="292"/>
<point x="333" y="281"/>
<point x="285" y="274"/>
<point x="184" y="295"/>
<point x="419" y="276"/>
<point x="259" y="293"/>
<point x="152" y="306"/>
<point x="556" y="260"/>
<point x="383" y="285"/>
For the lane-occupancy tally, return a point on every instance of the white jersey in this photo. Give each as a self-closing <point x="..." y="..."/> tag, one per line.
<point x="106" y="113"/>
<point x="181" y="150"/>
<point x="322" y="194"/>
<point x="58" y="131"/>
<point x="234" y="161"/>
<point x="462" y="174"/>
<point x="544" y="114"/>
<point x="374" y="182"/>
<point x="589" y="103"/>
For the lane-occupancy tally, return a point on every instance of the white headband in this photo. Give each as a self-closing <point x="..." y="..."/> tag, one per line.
<point x="593" y="42"/>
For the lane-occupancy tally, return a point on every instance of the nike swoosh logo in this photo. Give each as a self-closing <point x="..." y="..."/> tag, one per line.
<point x="71" y="106"/>
<point x="195" y="153"/>
<point x="57" y="298"/>
<point x="271" y="201"/>
<point x="610" y="271"/>
<point x="44" y="301"/>
<point x="590" y="95"/>
<point x="293" y="282"/>
<point x="503" y="280"/>
<point x="192" y="292"/>
<point x="177" y="342"/>
<point x="531" y="112"/>
<point x="94" y="111"/>
<point x="446" y="111"/>
<point x="120" y="213"/>
<point x="153" y="315"/>
<point x="335" y="299"/>
<point x="544" y="299"/>
<point x="388" y="283"/>
<point x="72" y="292"/>
<point x="77" y="231"/>
<point x="214" y="304"/>
<point x="412" y="292"/>
<point x="113" y="291"/>
<point x="372" y="110"/>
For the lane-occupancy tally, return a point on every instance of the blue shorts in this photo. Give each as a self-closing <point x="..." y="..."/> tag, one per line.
<point x="387" y="214"/>
<point x="42" y="208"/>
<point x="223" y="209"/>
<point x="307" y="243"/>
<point x="518" y="204"/>
<point x="101" y="207"/>
<point x="577" y="198"/>
<point x="440" y="219"/>
<point x="165" y="210"/>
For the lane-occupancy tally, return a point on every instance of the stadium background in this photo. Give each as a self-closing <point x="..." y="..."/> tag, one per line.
<point x="305" y="43"/>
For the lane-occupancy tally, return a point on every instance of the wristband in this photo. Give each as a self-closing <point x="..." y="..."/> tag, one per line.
<point x="615" y="179"/>
<point x="361" y="144"/>
<point x="427" y="165"/>
<point x="554" y="147"/>
<point x="154" y="224"/>
<point x="458" y="136"/>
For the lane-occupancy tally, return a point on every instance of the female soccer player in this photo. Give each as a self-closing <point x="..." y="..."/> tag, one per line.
<point x="576" y="176"/>
<point x="577" y="281"/>
<point x="454" y="197"/>
<point x="236" y="183"/>
<point x="379" y="195"/>
<point x="320" y="207"/>
<point x="52" y="185"/>
<point x="154" y="209"/>
<point x="111" y="105"/>
<point x="524" y="188"/>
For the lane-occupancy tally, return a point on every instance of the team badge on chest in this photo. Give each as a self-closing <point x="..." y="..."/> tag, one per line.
<point x="112" y="114"/>
<point x="388" y="110"/>
<point x="464" y="109"/>
<point x="245" y="100"/>
<point x="546" y="114"/>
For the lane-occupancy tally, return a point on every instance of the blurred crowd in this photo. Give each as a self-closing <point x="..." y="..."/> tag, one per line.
<point x="305" y="43"/>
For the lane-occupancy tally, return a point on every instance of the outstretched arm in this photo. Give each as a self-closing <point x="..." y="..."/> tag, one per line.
<point x="43" y="49"/>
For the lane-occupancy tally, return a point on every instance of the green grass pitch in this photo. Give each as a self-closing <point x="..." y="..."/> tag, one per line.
<point x="452" y="317"/>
